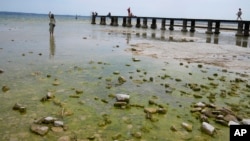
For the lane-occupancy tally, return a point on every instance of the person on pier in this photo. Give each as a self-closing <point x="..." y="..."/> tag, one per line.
<point x="129" y="11"/>
<point x="239" y="13"/>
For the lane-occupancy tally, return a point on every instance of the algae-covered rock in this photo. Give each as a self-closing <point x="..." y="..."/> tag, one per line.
<point x="5" y="88"/>
<point x="121" y="79"/>
<point x="187" y="126"/>
<point x="39" y="129"/>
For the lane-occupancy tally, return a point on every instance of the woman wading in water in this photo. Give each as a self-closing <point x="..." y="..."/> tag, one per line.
<point x="52" y="23"/>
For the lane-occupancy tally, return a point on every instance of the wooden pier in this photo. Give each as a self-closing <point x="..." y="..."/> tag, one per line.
<point x="213" y="26"/>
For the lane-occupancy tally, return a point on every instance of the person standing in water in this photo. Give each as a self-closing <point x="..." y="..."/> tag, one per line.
<point x="52" y="23"/>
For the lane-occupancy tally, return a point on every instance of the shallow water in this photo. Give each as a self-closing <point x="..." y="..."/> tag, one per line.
<point x="81" y="56"/>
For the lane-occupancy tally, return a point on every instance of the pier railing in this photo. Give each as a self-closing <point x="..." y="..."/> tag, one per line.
<point x="213" y="26"/>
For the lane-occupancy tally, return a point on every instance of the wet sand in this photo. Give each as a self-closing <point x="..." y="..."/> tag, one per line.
<point x="229" y="57"/>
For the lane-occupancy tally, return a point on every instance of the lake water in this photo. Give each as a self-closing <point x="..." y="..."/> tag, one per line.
<point x="85" y="57"/>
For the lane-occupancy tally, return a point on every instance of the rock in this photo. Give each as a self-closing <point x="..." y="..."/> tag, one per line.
<point x="150" y="110"/>
<point x="19" y="107"/>
<point x="39" y="129"/>
<point x="116" y="72"/>
<point x="246" y="121"/>
<point x="64" y="138"/>
<point x="229" y="117"/>
<point x="207" y="128"/>
<point x="137" y="135"/>
<point x="79" y="91"/>
<point x="22" y="109"/>
<point x="57" y="129"/>
<point x="136" y="59"/>
<point x="173" y="128"/>
<point x="58" y="123"/>
<point x="121" y="79"/>
<point x="197" y="96"/>
<point x="152" y="102"/>
<point x="187" y="126"/>
<point x="222" y="122"/>
<point x="122" y="97"/>
<point x="203" y="118"/>
<point x="196" y="109"/>
<point x="120" y="104"/>
<point x="200" y="104"/>
<point x="161" y="111"/>
<point x="116" y="136"/>
<point x="48" y="120"/>
<point x="5" y="88"/>
<point x="49" y="95"/>
<point x="1" y="71"/>
<point x="232" y="123"/>
<point x="56" y="83"/>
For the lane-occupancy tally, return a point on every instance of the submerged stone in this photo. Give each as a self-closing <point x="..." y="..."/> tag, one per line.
<point x="121" y="79"/>
<point x="1" y="71"/>
<point x="5" y="88"/>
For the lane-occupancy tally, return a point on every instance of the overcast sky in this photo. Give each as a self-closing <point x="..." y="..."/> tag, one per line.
<point x="205" y="9"/>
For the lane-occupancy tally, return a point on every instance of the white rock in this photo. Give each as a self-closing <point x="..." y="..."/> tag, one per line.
<point x="207" y="128"/>
<point x="122" y="97"/>
<point x="200" y="104"/>
<point x="246" y="121"/>
<point x="58" y="123"/>
<point x="233" y="123"/>
<point x="49" y="120"/>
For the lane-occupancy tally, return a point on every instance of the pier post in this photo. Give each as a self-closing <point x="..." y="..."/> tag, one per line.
<point x="192" y="29"/>
<point x="115" y="21"/>
<point x="93" y="19"/>
<point x="112" y="21"/>
<point x="209" y="27"/>
<point x="153" y="25"/>
<point x="103" y="20"/>
<point x="240" y="29"/>
<point x="171" y="27"/>
<point x="184" y="26"/>
<point x="129" y="22"/>
<point x="144" y="23"/>
<point x="246" y="29"/>
<point x="217" y="27"/>
<point x="163" y="24"/>
<point x="124" y="21"/>
<point x="138" y="23"/>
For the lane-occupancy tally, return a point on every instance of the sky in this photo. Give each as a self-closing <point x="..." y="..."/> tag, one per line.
<point x="202" y="9"/>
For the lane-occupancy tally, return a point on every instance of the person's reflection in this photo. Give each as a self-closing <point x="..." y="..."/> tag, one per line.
<point x="128" y="37"/>
<point x="52" y="47"/>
